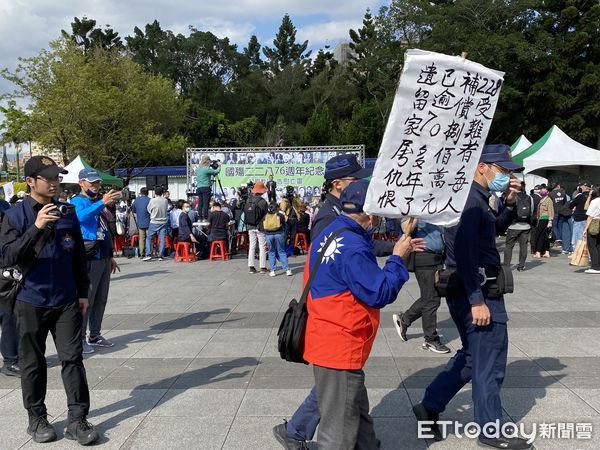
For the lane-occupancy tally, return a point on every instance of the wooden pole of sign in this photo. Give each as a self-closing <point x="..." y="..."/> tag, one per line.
<point x="408" y="227"/>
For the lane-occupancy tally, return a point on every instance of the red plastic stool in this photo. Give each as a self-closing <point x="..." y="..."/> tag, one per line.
<point x="218" y="249"/>
<point x="184" y="252"/>
<point x="133" y="239"/>
<point x="300" y="241"/>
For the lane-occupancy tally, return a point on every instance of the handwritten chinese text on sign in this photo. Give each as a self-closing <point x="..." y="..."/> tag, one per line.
<point x="437" y="127"/>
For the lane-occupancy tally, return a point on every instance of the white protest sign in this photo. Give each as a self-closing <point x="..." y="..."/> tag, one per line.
<point x="437" y="127"/>
<point x="9" y="190"/>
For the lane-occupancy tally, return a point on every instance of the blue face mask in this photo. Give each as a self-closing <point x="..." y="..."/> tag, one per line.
<point x="499" y="183"/>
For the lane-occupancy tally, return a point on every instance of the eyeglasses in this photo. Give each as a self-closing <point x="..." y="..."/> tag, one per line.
<point x="502" y="169"/>
<point x="52" y="180"/>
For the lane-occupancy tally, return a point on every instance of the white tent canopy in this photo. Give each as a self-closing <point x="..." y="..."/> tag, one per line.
<point x="556" y="151"/>
<point x="520" y="145"/>
<point x="79" y="163"/>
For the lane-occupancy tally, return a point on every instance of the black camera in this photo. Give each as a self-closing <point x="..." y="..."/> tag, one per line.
<point x="243" y="193"/>
<point x="61" y="210"/>
<point x="214" y="164"/>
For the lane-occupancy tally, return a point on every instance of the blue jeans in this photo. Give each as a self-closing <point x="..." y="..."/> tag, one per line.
<point x="481" y="360"/>
<point x="154" y="229"/>
<point x="276" y="243"/>
<point x="9" y="341"/>
<point x="303" y="424"/>
<point x="555" y="228"/>
<point x="565" y="233"/>
<point x="578" y="227"/>
<point x="204" y="194"/>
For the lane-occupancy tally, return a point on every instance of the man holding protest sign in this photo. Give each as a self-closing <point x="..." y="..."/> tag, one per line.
<point x="433" y="165"/>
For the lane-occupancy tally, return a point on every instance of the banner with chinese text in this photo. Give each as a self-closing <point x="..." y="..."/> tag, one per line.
<point x="440" y="118"/>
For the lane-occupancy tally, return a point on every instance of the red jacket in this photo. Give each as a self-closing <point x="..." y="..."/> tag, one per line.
<point x="346" y="295"/>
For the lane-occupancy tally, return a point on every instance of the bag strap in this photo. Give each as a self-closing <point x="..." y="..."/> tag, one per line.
<point x="313" y="270"/>
<point x="24" y="268"/>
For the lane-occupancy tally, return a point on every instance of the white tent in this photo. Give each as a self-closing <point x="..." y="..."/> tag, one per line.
<point x="75" y="166"/>
<point x="520" y="145"/>
<point x="556" y="151"/>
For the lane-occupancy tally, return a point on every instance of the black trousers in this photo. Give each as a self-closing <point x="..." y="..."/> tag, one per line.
<point x="427" y="304"/>
<point x="593" y="243"/>
<point x="204" y="194"/>
<point x="540" y="237"/>
<point x="512" y="237"/>
<point x="64" y="324"/>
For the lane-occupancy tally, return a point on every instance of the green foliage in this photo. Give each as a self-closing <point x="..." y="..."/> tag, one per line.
<point x="285" y="50"/>
<point x="101" y="105"/>
<point x="147" y="100"/>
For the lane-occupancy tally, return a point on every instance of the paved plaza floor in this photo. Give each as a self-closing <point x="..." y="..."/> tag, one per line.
<point x="195" y="363"/>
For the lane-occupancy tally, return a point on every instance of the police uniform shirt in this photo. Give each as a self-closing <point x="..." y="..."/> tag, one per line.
<point x="472" y="244"/>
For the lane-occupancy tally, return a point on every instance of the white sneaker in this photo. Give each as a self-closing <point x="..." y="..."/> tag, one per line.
<point x="160" y="258"/>
<point x="272" y="273"/>
<point x="289" y="272"/>
<point x="592" y="271"/>
<point x="147" y="258"/>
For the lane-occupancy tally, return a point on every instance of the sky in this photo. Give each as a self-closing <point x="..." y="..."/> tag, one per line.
<point x="27" y="26"/>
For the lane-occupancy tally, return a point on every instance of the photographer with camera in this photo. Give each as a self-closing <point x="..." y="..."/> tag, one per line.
<point x="92" y="211"/>
<point x="204" y="174"/>
<point x="43" y="239"/>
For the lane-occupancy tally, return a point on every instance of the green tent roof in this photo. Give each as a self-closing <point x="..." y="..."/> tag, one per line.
<point x="534" y="148"/>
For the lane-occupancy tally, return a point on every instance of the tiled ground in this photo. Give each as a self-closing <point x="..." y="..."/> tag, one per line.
<point x="196" y="366"/>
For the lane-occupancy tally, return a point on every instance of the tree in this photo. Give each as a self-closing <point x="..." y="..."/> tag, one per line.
<point x="285" y="50"/>
<point x="252" y="53"/>
<point x="85" y="34"/>
<point x="157" y="50"/>
<point x="375" y="63"/>
<point x="101" y="105"/>
<point x="319" y="128"/>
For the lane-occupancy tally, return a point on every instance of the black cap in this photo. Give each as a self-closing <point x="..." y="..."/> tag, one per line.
<point x="499" y="154"/>
<point x="345" y="165"/>
<point x="44" y="166"/>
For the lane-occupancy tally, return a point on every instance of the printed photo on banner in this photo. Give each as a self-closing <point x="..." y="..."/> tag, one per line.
<point x="440" y="118"/>
<point x="301" y="169"/>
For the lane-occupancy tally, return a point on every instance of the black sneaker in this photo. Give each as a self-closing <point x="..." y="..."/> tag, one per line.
<point x="281" y="434"/>
<point x="401" y="328"/>
<point x="82" y="431"/>
<point x="251" y="269"/>
<point x="11" y="370"/>
<point x="520" y="268"/>
<point x="435" y="346"/>
<point x="263" y="270"/>
<point x="41" y="430"/>
<point x="508" y="443"/>
<point x="423" y="414"/>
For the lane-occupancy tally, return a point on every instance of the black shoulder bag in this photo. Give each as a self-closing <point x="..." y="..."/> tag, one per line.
<point x="290" y="341"/>
<point x="11" y="278"/>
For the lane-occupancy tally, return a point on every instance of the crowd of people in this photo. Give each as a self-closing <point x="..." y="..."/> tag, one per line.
<point x="547" y="217"/>
<point x="61" y="254"/>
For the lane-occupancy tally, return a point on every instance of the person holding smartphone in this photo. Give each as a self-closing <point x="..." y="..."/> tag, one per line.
<point x="94" y="218"/>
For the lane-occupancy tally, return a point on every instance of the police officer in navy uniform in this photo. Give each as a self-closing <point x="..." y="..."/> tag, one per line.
<point x="477" y="305"/>
<point x="52" y="298"/>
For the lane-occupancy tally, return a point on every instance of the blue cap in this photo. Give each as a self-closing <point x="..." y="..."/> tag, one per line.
<point x="343" y="166"/>
<point x="89" y="174"/>
<point x="354" y="194"/>
<point x="499" y="154"/>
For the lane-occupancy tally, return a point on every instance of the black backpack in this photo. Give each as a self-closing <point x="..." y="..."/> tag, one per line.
<point x="252" y="213"/>
<point x="524" y="211"/>
<point x="290" y="337"/>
